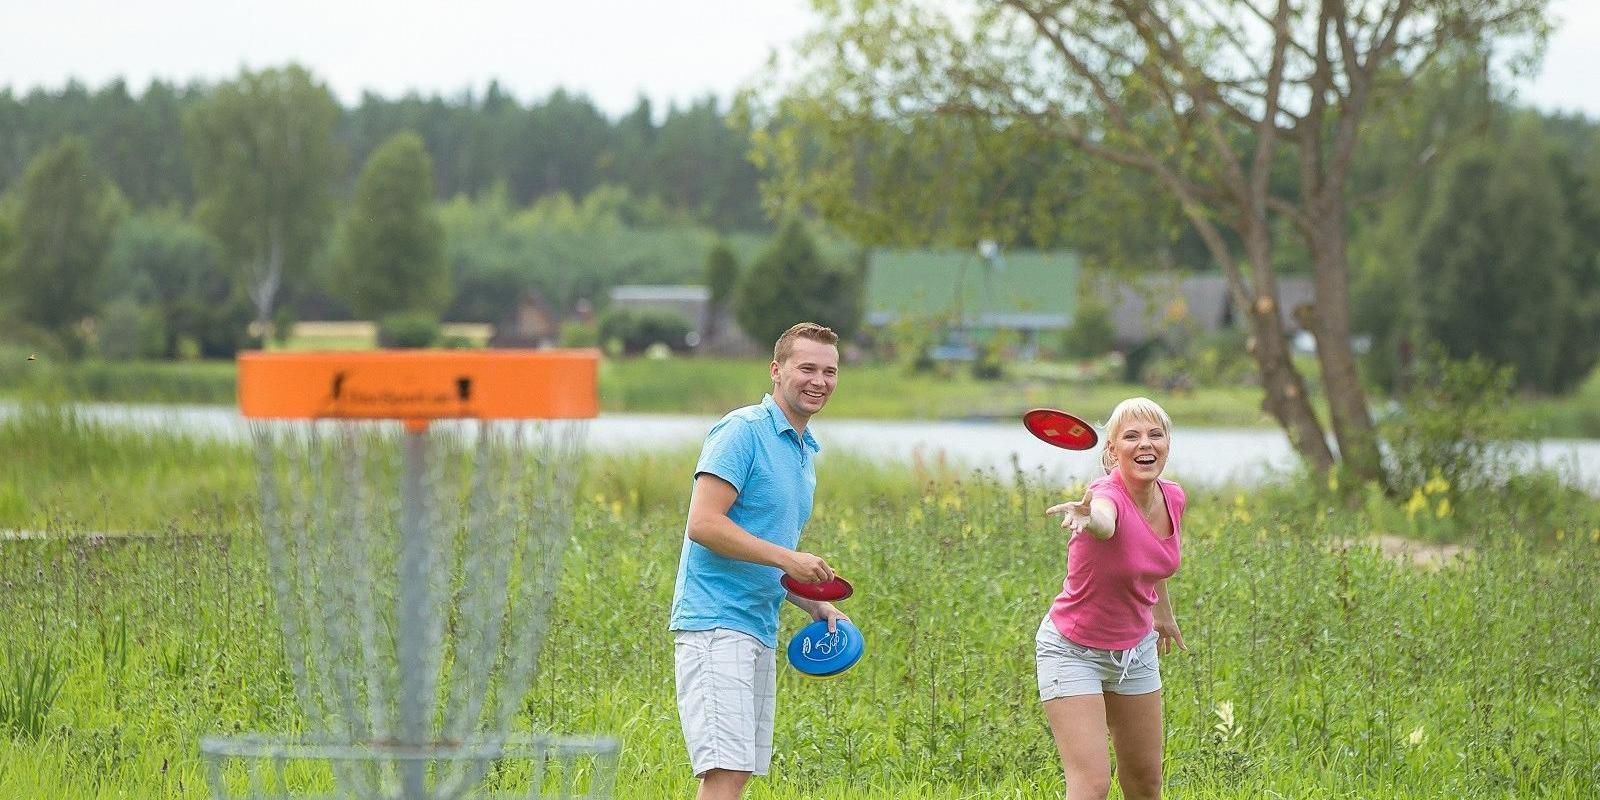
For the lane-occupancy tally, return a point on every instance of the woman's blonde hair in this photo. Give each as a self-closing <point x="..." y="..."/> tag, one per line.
<point x="1126" y="411"/>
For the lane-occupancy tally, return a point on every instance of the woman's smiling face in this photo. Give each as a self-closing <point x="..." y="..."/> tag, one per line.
<point x="1140" y="449"/>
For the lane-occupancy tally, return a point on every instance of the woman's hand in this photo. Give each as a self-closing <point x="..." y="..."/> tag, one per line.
<point x="1076" y="512"/>
<point x="1168" y="636"/>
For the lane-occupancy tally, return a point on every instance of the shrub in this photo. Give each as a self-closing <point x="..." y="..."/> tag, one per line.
<point x="632" y="332"/>
<point x="408" y="329"/>
<point x="1092" y="333"/>
<point x="283" y="322"/>
<point x="126" y="330"/>
<point x="580" y="334"/>
<point x="1451" y="429"/>
<point x="219" y="330"/>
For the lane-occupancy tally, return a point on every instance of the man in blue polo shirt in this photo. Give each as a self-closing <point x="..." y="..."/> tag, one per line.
<point x="752" y="496"/>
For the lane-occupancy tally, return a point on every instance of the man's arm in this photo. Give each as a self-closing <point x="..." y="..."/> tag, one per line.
<point x="710" y="527"/>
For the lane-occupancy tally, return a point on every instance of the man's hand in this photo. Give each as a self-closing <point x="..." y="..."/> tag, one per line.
<point x="807" y="568"/>
<point x="821" y="610"/>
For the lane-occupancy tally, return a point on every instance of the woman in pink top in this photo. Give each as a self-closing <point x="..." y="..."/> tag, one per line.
<point x="1097" y="648"/>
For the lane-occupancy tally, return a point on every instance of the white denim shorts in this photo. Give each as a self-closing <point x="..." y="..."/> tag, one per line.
<point x="727" y="694"/>
<point x="1069" y="669"/>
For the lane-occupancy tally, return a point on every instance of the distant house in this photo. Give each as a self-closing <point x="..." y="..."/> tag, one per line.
<point x="1034" y="295"/>
<point x="1152" y="305"/>
<point x="532" y="324"/>
<point x="719" y="336"/>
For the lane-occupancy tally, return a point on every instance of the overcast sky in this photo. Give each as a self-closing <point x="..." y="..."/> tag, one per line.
<point x="612" y="50"/>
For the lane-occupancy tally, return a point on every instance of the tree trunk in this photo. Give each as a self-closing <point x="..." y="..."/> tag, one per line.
<point x="265" y="291"/>
<point x="1285" y="390"/>
<point x="1330" y="323"/>
<point x="1286" y="399"/>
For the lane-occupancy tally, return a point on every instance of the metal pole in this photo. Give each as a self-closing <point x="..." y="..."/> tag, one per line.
<point x="415" y="566"/>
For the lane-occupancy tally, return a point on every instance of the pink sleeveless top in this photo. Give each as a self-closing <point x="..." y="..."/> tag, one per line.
<point x="1111" y="583"/>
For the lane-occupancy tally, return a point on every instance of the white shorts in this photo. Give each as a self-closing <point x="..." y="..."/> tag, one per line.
<point x="727" y="694"/>
<point x="1069" y="669"/>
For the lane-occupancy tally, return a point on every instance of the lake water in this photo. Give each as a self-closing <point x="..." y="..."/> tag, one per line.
<point x="1200" y="456"/>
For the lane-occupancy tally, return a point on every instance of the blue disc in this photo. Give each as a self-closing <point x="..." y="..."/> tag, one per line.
<point x="820" y="654"/>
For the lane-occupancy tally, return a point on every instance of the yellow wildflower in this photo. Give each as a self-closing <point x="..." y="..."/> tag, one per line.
<point x="1436" y="484"/>
<point x="1417" y="503"/>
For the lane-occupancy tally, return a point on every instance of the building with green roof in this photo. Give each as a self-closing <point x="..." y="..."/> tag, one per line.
<point x="1029" y="293"/>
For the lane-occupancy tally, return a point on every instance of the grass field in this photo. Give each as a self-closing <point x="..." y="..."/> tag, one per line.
<point x="1319" y="667"/>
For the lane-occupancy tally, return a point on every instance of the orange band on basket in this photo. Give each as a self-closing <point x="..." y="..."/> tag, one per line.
<point x="420" y="384"/>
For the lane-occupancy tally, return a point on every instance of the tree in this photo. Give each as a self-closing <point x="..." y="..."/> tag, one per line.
<point x="174" y="267"/>
<point x="1580" y="346"/>
<point x="1500" y="273"/>
<point x="6" y="237"/>
<point x="265" y="160"/>
<point x="391" y="248"/>
<point x="64" y="215"/>
<point x="698" y="165"/>
<point x="900" y="104"/>
<point x="790" y="282"/>
<point x="721" y="277"/>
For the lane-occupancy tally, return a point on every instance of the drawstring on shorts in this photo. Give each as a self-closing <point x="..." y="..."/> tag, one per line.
<point x="1128" y="657"/>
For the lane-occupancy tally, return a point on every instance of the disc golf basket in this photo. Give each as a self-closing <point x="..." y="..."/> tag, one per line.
<point x="414" y="508"/>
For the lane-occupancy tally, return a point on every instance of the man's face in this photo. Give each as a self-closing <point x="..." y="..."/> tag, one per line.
<point x="803" y="382"/>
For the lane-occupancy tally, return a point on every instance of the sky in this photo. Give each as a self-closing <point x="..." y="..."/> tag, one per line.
<point x="613" y="51"/>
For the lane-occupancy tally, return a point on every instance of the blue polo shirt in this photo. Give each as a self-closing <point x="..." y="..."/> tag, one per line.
<point x="771" y="466"/>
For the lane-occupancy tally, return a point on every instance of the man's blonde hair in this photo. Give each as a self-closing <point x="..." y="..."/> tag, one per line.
<point x="802" y="330"/>
<point x="1127" y="411"/>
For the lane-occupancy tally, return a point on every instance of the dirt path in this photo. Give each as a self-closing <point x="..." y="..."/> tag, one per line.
<point x="1422" y="555"/>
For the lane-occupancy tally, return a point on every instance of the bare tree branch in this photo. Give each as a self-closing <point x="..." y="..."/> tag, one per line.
<point x="1113" y="106"/>
<point x="1263" y="17"/>
<point x="1267" y="132"/>
<point x="1197" y="86"/>
<point x="1294" y="213"/>
<point x="1347" y="45"/>
<point x="1346" y="136"/>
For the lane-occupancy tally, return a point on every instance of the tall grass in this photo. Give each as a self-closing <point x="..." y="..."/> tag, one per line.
<point x="1320" y="667"/>
<point x="60" y="471"/>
